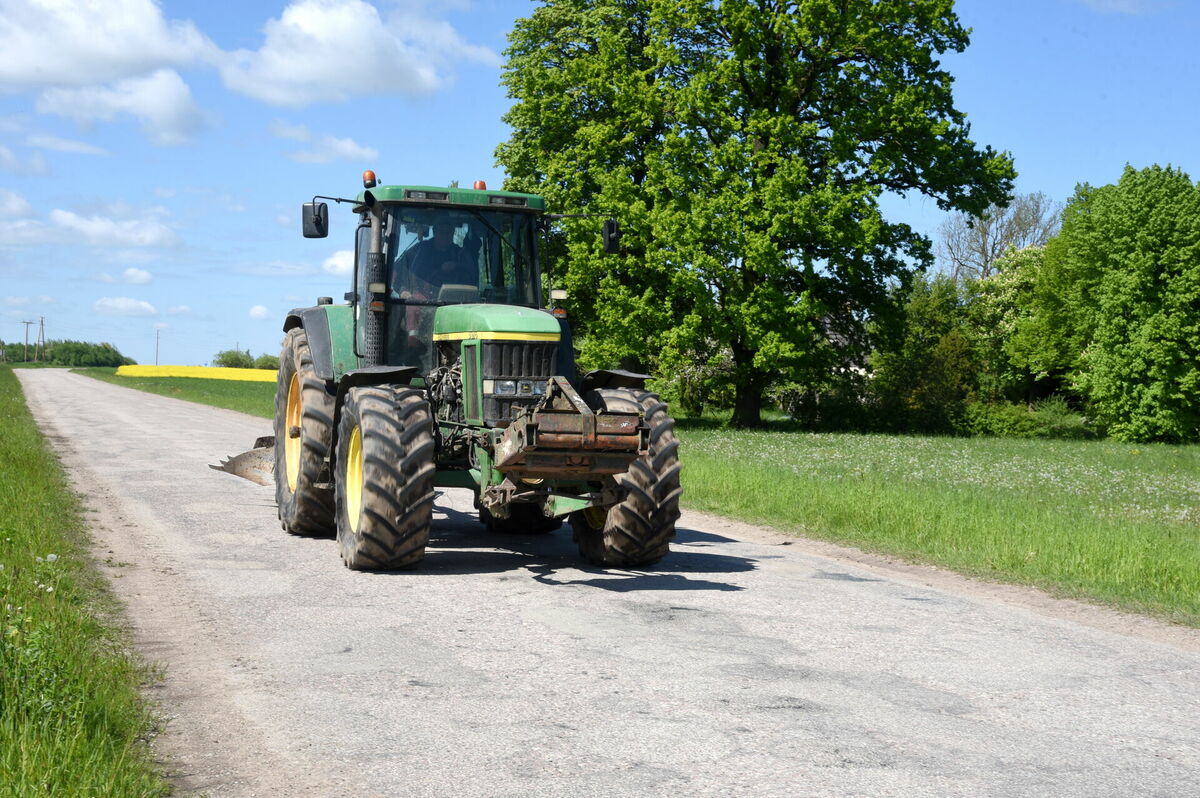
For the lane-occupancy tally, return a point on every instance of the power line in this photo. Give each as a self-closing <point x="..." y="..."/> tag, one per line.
<point x="27" y="324"/>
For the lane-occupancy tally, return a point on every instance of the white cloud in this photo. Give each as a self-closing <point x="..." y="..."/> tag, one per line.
<point x="284" y="130"/>
<point x="13" y="205"/>
<point x="82" y="42"/>
<point x="260" y="313"/>
<point x="105" y="232"/>
<point x="324" y="149"/>
<point x="64" y="145"/>
<point x="22" y="232"/>
<point x="340" y="263"/>
<point x="164" y="192"/>
<point x="124" y="306"/>
<point x="161" y="325"/>
<point x="277" y="268"/>
<point x="178" y="310"/>
<point x="15" y="301"/>
<point x="331" y="50"/>
<point x="36" y="165"/>
<point x="104" y="277"/>
<point x="136" y="276"/>
<point x="162" y="102"/>
<point x="330" y="149"/>
<point x="284" y="221"/>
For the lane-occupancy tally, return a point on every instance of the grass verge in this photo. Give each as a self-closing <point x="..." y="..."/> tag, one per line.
<point x="71" y="719"/>
<point x="255" y="398"/>
<point x="1095" y="520"/>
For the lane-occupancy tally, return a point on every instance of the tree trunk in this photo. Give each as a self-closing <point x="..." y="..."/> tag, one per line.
<point x="747" y="406"/>
<point x="747" y="403"/>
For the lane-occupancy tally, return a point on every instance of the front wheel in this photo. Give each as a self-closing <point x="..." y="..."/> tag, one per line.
<point x="384" y="477"/>
<point x="303" y="431"/>
<point x="637" y="530"/>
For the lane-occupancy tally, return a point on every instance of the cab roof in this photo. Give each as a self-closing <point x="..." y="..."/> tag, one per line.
<point x="439" y="195"/>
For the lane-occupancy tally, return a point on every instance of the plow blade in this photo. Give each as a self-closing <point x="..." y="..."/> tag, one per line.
<point x="256" y="465"/>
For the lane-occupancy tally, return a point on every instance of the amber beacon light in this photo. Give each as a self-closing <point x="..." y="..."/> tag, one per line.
<point x="369" y="180"/>
<point x="480" y="185"/>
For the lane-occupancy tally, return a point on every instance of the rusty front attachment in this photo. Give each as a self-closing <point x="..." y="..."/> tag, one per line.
<point x="562" y="436"/>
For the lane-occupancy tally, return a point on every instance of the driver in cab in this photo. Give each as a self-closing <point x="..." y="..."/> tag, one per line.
<point x="438" y="261"/>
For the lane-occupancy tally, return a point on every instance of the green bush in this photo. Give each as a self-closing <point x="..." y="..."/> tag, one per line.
<point x="267" y="362"/>
<point x="1049" y="418"/>
<point x="233" y="359"/>
<point x="65" y="353"/>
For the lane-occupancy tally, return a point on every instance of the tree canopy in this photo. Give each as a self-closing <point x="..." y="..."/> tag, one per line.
<point x="1117" y="304"/>
<point x="745" y="145"/>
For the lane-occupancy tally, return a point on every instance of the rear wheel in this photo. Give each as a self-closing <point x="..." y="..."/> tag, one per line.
<point x="303" y="431"/>
<point x="384" y="477"/>
<point x="637" y="530"/>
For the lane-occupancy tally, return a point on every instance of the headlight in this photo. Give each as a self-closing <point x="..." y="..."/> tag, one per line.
<point x="506" y="387"/>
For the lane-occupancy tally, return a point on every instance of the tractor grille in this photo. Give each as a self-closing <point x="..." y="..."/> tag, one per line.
<point x="514" y="360"/>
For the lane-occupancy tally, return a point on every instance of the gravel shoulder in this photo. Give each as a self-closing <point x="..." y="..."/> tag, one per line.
<point x="748" y="664"/>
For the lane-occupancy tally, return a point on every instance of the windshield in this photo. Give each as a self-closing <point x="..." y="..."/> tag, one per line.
<point x="456" y="255"/>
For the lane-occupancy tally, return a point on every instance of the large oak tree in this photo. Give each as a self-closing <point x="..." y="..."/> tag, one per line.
<point x="745" y="145"/>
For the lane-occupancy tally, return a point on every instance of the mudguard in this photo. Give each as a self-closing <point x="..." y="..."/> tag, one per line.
<point x="330" y="338"/>
<point x="612" y="378"/>
<point x="316" y="325"/>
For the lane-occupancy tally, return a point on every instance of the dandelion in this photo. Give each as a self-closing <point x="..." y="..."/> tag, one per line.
<point x="49" y="588"/>
<point x="40" y="559"/>
<point x="51" y="557"/>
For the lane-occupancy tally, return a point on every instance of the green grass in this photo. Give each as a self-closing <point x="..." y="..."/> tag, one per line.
<point x="255" y="398"/>
<point x="1095" y="520"/>
<point x="71" y="720"/>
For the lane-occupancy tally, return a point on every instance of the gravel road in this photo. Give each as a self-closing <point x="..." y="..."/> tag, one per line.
<point x="748" y="664"/>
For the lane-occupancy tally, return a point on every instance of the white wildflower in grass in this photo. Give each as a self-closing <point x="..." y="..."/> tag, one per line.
<point x="51" y="557"/>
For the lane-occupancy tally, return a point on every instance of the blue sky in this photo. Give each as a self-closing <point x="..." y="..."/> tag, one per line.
<point x="153" y="157"/>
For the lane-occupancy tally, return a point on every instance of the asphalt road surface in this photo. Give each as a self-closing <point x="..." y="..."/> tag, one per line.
<point x="744" y="665"/>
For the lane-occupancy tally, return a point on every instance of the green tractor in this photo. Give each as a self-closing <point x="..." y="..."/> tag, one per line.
<point x="443" y="369"/>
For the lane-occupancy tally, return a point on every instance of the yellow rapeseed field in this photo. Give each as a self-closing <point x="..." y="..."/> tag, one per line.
<point x="199" y="372"/>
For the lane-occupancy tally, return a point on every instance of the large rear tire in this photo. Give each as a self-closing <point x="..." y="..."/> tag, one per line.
<point x="303" y="431"/>
<point x="384" y="477"/>
<point x="637" y="530"/>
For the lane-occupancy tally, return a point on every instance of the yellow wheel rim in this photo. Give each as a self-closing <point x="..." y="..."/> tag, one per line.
<point x="595" y="516"/>
<point x="291" y="446"/>
<point x="354" y="478"/>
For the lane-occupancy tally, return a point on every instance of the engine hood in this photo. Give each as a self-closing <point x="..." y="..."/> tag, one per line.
<point x="465" y="322"/>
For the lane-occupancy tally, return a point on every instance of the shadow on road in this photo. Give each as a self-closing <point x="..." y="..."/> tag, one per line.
<point x="459" y="544"/>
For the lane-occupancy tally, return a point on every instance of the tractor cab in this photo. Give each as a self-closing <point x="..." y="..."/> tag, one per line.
<point x="421" y="248"/>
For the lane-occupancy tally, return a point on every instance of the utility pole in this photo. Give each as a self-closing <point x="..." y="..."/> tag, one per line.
<point x="39" y="351"/>
<point x="156" y="332"/>
<point x="26" y="358"/>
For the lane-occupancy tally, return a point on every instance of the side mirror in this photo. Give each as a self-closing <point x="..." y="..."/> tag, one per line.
<point x="316" y="219"/>
<point x="611" y="235"/>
